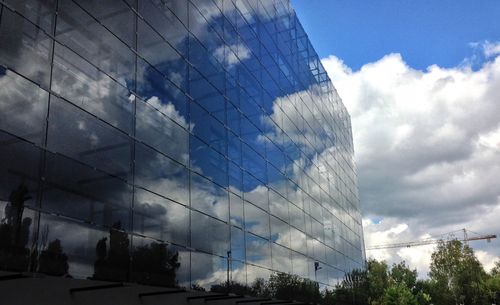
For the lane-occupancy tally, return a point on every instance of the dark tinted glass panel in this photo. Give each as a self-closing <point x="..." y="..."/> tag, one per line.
<point x="207" y="270"/>
<point x="160" y="218"/>
<point x="161" y="92"/>
<point x="114" y="15"/>
<point x="156" y="128"/>
<point x="39" y="12"/>
<point x="208" y="162"/>
<point x="209" y="197"/>
<point x="168" y="19"/>
<point x="25" y="48"/>
<point x="77" y="190"/>
<point x="209" y="234"/>
<point x="157" y="263"/>
<point x="99" y="145"/>
<point x="85" y="86"/>
<point x="18" y="232"/>
<point x="23" y="107"/>
<point x="158" y="53"/>
<point x="94" y="253"/>
<point x="91" y="40"/>
<point x="160" y="174"/>
<point x="19" y="173"/>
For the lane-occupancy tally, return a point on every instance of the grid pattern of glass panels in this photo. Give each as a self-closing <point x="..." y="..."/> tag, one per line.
<point x="166" y="141"/>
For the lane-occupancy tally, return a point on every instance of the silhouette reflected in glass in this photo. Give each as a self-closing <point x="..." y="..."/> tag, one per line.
<point x="15" y="232"/>
<point x="151" y="264"/>
<point x="113" y="264"/>
<point x="53" y="260"/>
<point x="155" y="264"/>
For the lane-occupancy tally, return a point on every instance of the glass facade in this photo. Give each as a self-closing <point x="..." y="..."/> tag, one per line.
<point x="171" y="143"/>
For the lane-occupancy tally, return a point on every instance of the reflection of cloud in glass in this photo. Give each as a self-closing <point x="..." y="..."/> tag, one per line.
<point x="304" y="127"/>
<point x="233" y="54"/>
<point x="23" y="106"/>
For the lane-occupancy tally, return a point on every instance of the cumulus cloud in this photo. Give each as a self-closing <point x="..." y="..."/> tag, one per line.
<point x="427" y="148"/>
<point x="491" y="48"/>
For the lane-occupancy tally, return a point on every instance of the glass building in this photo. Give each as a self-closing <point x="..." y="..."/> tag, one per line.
<point x="172" y="142"/>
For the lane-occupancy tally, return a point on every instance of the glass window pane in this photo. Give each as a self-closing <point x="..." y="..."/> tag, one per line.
<point x="83" y="251"/>
<point x="167" y="19"/>
<point x="23" y="107"/>
<point x="158" y="173"/>
<point x="236" y="208"/>
<point x="85" y="86"/>
<point x="25" y="48"/>
<point x="258" y="251"/>
<point x="237" y="244"/>
<point x="84" y="35"/>
<point x="156" y="263"/>
<point x="40" y="12"/>
<point x="207" y="270"/>
<point x="208" y="162"/>
<point x="81" y="136"/>
<point x="79" y="191"/>
<point x="19" y="171"/>
<point x="160" y="218"/>
<point x="209" y="234"/>
<point x="209" y="197"/>
<point x="256" y="220"/>
<point x="282" y="259"/>
<point x="17" y="230"/>
<point x="280" y="232"/>
<point x="115" y="15"/>
<point x="155" y="128"/>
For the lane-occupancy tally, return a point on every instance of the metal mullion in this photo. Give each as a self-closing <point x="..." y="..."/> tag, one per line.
<point x="43" y="152"/>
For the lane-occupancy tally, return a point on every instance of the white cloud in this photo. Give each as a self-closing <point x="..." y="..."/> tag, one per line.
<point x="491" y="48"/>
<point x="427" y="148"/>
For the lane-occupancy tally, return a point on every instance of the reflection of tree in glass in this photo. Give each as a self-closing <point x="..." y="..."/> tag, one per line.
<point x="113" y="264"/>
<point x="353" y="289"/>
<point x="154" y="264"/>
<point x="280" y="285"/>
<point x="234" y="287"/>
<point x="15" y="232"/>
<point x="53" y="260"/>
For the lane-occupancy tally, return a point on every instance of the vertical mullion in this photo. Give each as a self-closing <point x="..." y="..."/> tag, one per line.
<point x="43" y="153"/>
<point x="133" y="142"/>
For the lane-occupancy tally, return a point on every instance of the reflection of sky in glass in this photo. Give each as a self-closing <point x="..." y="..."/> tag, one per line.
<point x="220" y="135"/>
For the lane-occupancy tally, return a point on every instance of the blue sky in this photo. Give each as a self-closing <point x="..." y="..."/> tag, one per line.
<point x="421" y="81"/>
<point x="423" y="32"/>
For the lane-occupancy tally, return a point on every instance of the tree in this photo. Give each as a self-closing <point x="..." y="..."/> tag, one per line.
<point x="456" y="275"/>
<point x="492" y="286"/>
<point x="496" y="269"/>
<point x="378" y="279"/>
<point x="289" y="286"/>
<point x="422" y="292"/>
<point x="401" y="274"/>
<point x="399" y="294"/>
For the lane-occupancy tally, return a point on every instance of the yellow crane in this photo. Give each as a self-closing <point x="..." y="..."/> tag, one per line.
<point x="429" y="241"/>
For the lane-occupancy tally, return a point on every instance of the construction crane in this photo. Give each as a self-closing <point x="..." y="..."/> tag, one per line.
<point x="429" y="241"/>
